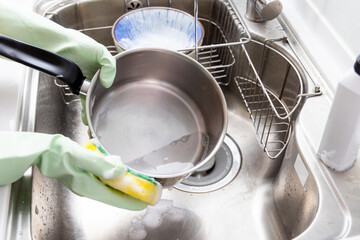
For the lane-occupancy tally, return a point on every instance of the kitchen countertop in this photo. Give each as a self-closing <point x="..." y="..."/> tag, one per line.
<point x="313" y="117"/>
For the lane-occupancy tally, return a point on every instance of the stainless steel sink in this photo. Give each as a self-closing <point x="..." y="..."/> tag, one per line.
<point x="270" y="192"/>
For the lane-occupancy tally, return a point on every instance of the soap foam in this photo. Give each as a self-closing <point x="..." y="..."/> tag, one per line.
<point x="174" y="167"/>
<point x="118" y="168"/>
<point x="167" y="168"/>
<point x="176" y="214"/>
<point x="154" y="217"/>
<point x="137" y="233"/>
<point x="163" y="206"/>
<point x="175" y="157"/>
<point x="137" y="230"/>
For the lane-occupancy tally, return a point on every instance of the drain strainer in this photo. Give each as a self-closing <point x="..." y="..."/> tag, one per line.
<point x="225" y="168"/>
<point x="133" y="4"/>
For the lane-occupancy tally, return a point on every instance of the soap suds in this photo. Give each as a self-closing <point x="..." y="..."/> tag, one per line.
<point x="154" y="217"/>
<point x="118" y="168"/>
<point x="137" y="230"/>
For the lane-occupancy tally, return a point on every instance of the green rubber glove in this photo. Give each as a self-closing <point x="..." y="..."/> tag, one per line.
<point x="59" y="157"/>
<point x="39" y="31"/>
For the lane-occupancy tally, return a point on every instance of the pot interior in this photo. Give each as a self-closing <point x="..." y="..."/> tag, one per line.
<point x="156" y="115"/>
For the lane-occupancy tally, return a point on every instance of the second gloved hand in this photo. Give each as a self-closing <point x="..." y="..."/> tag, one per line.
<point x="39" y="31"/>
<point x="59" y="157"/>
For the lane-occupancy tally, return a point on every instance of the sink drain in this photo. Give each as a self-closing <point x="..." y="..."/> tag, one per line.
<point x="218" y="174"/>
<point x="133" y="4"/>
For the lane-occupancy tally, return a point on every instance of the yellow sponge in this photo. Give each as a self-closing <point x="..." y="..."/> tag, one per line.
<point x="134" y="184"/>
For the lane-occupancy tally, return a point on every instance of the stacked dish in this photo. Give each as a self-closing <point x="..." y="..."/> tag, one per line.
<point x="157" y="27"/>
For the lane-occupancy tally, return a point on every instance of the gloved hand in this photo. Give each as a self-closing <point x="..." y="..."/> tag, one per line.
<point x="59" y="157"/>
<point x="39" y="31"/>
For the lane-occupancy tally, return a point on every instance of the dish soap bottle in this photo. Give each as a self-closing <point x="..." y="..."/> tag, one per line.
<point x="340" y="142"/>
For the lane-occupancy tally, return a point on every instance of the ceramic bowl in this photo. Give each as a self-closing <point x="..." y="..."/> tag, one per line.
<point x="157" y="27"/>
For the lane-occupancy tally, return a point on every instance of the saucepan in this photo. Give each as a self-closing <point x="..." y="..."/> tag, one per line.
<point x="165" y="114"/>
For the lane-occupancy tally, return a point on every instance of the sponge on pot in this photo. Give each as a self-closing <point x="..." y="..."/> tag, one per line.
<point x="134" y="184"/>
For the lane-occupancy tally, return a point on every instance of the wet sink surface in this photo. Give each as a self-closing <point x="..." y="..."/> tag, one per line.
<point x="264" y="199"/>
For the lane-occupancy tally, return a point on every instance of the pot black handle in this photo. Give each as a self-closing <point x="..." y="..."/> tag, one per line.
<point x="43" y="60"/>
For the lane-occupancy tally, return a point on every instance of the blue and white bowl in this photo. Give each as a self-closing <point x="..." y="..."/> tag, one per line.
<point x="158" y="27"/>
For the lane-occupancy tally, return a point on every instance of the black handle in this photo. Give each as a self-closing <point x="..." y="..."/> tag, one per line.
<point x="44" y="61"/>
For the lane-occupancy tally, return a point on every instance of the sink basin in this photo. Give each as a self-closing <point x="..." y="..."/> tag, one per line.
<point x="272" y="193"/>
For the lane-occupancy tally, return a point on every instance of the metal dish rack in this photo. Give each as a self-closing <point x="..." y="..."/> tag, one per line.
<point x="269" y="114"/>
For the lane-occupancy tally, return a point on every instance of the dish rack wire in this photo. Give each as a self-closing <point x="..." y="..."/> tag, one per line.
<point x="270" y="116"/>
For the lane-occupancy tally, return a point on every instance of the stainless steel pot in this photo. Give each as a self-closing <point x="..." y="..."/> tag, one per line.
<point x="165" y="114"/>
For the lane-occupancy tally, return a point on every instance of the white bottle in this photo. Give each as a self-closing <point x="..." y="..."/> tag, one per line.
<point x="340" y="142"/>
